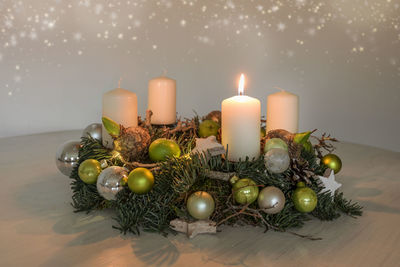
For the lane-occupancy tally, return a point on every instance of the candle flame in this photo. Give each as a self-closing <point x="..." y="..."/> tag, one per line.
<point x="241" y="85"/>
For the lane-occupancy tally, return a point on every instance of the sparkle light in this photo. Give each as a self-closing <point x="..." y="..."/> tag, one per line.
<point x="300" y="22"/>
<point x="281" y="27"/>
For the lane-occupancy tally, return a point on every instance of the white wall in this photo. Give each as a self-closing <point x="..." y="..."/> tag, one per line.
<point x="342" y="59"/>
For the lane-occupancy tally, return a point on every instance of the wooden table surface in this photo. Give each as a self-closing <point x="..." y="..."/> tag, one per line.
<point x="39" y="228"/>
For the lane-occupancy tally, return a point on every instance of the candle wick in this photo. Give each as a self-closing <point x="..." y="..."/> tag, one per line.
<point x="164" y="73"/>
<point x="119" y="82"/>
<point x="282" y="90"/>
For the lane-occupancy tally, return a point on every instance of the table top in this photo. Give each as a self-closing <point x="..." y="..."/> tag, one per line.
<point x="39" y="228"/>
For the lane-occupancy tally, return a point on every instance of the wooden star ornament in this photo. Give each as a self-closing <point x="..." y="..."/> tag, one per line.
<point x="329" y="183"/>
<point x="210" y="145"/>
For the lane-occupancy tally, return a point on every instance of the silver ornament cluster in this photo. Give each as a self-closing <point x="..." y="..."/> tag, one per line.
<point x="110" y="181"/>
<point x="67" y="157"/>
<point x="94" y="130"/>
<point x="277" y="160"/>
<point x="271" y="200"/>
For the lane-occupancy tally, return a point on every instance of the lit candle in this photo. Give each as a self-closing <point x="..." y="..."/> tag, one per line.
<point x="240" y="125"/>
<point x="119" y="105"/>
<point x="162" y="100"/>
<point x="283" y="111"/>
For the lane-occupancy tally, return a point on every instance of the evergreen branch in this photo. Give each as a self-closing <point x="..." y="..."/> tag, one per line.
<point x="85" y="197"/>
<point x="177" y="178"/>
<point x="326" y="209"/>
<point x="347" y="206"/>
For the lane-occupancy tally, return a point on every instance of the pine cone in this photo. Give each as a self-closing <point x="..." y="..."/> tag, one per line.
<point x="132" y="143"/>
<point x="301" y="171"/>
<point x="214" y="115"/>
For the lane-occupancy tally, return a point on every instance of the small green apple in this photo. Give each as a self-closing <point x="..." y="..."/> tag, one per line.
<point x="275" y="143"/>
<point x="208" y="128"/>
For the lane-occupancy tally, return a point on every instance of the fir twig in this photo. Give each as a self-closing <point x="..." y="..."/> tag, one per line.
<point x="84" y="196"/>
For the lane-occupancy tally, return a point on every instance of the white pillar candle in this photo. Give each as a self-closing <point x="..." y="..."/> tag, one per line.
<point x="119" y="105"/>
<point x="240" y="125"/>
<point x="162" y="100"/>
<point x="283" y="112"/>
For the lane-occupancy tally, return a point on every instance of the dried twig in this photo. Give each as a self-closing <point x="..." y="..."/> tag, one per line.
<point x="133" y="165"/>
<point x="149" y="113"/>
<point x="224" y="176"/>
<point x="256" y="213"/>
<point x="242" y="211"/>
<point x="323" y="144"/>
<point x="187" y="127"/>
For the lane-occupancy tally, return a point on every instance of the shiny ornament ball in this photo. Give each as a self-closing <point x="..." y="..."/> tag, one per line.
<point x="275" y="143"/>
<point x="304" y="198"/>
<point x="162" y="148"/>
<point x="94" y="130"/>
<point x="200" y="205"/>
<point x="271" y="200"/>
<point x="208" y="128"/>
<point x="110" y="181"/>
<point x="245" y="191"/>
<point x="67" y="157"/>
<point x="140" y="181"/>
<point x="277" y="160"/>
<point x="89" y="170"/>
<point x="333" y="162"/>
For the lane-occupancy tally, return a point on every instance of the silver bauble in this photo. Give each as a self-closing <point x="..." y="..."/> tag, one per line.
<point x="271" y="200"/>
<point x="200" y="205"/>
<point x="94" y="130"/>
<point x="67" y="157"/>
<point x="110" y="181"/>
<point x="277" y="160"/>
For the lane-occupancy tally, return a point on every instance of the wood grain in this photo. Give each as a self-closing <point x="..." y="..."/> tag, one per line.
<point x="38" y="226"/>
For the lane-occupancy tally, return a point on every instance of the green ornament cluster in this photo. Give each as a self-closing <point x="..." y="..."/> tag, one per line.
<point x="140" y="180"/>
<point x="165" y="181"/>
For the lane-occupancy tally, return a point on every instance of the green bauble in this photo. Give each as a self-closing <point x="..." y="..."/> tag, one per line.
<point x="162" y="148"/>
<point x="304" y="198"/>
<point x="200" y="205"/>
<point x="140" y="181"/>
<point x="245" y="191"/>
<point x="89" y="170"/>
<point x="275" y="143"/>
<point x="208" y="128"/>
<point x="332" y="161"/>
